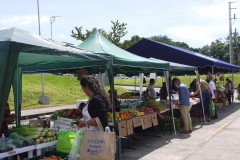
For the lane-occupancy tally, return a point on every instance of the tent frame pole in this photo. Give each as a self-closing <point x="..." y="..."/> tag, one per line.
<point x="168" y="83"/>
<point x="198" y="77"/>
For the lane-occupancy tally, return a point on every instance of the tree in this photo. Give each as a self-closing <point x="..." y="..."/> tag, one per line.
<point x="166" y="40"/>
<point x="117" y="32"/>
<point x="128" y="43"/>
<point x="217" y="49"/>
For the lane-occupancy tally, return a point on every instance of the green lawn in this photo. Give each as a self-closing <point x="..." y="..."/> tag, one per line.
<point x="61" y="90"/>
<point x="66" y="89"/>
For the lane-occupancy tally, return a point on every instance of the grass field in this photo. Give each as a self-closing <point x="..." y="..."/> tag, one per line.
<point x="66" y="89"/>
<point x="61" y="90"/>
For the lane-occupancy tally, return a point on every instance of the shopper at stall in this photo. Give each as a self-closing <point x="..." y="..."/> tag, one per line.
<point x="97" y="105"/>
<point x="193" y="85"/>
<point x="173" y="88"/>
<point x="163" y="92"/>
<point x="206" y="95"/>
<point x="8" y="118"/>
<point x="184" y="96"/>
<point x="212" y="85"/>
<point x="229" y="90"/>
<point x="150" y="91"/>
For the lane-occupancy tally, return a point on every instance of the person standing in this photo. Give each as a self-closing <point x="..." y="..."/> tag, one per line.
<point x="193" y="85"/>
<point x="206" y="95"/>
<point x="184" y="100"/>
<point x="97" y="105"/>
<point x="150" y="91"/>
<point x="163" y="92"/>
<point x="229" y="90"/>
<point x="212" y="85"/>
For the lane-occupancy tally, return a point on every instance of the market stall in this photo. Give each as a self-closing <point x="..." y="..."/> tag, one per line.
<point x="23" y="52"/>
<point x="121" y="59"/>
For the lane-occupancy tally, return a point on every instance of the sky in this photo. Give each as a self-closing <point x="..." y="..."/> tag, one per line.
<point x="195" y="22"/>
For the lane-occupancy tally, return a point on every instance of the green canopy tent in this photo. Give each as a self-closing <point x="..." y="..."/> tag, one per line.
<point x="121" y="60"/>
<point x="22" y="51"/>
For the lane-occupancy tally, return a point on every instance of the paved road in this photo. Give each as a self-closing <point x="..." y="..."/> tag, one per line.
<point x="217" y="140"/>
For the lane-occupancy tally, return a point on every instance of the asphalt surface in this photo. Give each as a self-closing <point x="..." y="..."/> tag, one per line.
<point x="216" y="140"/>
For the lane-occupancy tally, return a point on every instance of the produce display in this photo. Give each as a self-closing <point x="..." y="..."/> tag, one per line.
<point x="34" y="133"/>
<point x="146" y="110"/>
<point x="130" y="104"/>
<point x="6" y="145"/>
<point x="123" y="115"/>
<point x="156" y="106"/>
<point x="127" y="95"/>
<point x="68" y="113"/>
<point x="63" y="124"/>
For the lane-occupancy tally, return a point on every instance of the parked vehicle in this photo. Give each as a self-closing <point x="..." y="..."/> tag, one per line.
<point x="121" y="76"/>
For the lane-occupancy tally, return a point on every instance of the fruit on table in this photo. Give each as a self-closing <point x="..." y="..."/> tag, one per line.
<point x="122" y="115"/>
<point x="146" y="110"/>
<point x="156" y="106"/>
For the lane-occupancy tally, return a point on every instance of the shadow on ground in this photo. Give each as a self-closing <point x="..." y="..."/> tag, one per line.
<point x="146" y="142"/>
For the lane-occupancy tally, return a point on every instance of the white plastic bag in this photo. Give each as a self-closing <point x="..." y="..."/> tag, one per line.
<point x="75" y="151"/>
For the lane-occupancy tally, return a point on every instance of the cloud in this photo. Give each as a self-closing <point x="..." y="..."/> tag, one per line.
<point x="202" y="34"/>
<point x="21" y="21"/>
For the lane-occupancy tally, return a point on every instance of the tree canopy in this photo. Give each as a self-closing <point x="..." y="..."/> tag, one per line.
<point x="118" y="30"/>
<point x="218" y="49"/>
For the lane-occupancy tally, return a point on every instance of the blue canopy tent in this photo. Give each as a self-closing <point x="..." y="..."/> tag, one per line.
<point x="148" y="48"/>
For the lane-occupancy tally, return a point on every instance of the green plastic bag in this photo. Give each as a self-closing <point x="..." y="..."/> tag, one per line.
<point x="65" y="141"/>
<point x="213" y="112"/>
<point x="75" y="151"/>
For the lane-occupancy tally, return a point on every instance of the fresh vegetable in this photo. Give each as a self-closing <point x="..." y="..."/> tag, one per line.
<point x="32" y="134"/>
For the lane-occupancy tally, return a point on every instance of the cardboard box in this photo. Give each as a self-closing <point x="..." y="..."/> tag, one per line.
<point x="137" y="122"/>
<point x="122" y="128"/>
<point x="130" y="126"/>
<point x="146" y="121"/>
<point x="40" y="123"/>
<point x="154" y="119"/>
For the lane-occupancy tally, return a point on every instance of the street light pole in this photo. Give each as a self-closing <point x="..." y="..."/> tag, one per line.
<point x="52" y="19"/>
<point x="230" y="33"/>
<point x="43" y="99"/>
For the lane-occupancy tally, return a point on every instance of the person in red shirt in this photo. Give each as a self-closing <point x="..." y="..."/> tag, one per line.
<point x="8" y="118"/>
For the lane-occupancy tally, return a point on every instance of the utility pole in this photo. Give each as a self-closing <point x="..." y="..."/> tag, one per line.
<point x="52" y="19"/>
<point x="231" y="52"/>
